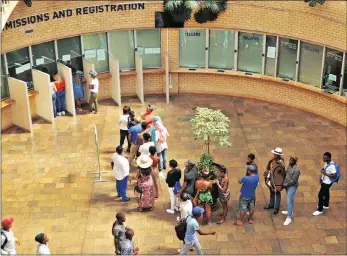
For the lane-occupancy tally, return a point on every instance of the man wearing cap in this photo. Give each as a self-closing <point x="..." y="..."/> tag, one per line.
<point x="274" y="177"/>
<point x="8" y="240"/>
<point x="190" y="176"/>
<point x="94" y="89"/>
<point x="290" y="184"/>
<point x="190" y="239"/>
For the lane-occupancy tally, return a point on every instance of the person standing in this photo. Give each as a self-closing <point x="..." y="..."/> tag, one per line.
<point x="190" y="176"/>
<point x="148" y="115"/>
<point x="145" y="184"/>
<point x="274" y="176"/>
<point x="161" y="135"/>
<point x="8" y="240"/>
<point x="139" y="137"/>
<point x="77" y="88"/>
<point x="94" y="90"/>
<point x="118" y="231"/>
<point x="144" y="148"/>
<point x="329" y="175"/>
<point x="173" y="176"/>
<point x="120" y="166"/>
<point x="190" y="239"/>
<point x="155" y="171"/>
<point x="250" y="161"/>
<point x="290" y="184"/>
<point x="133" y="132"/>
<point x="128" y="244"/>
<point x="42" y="247"/>
<point x="53" y="90"/>
<point x="223" y="191"/>
<point x="60" y="85"/>
<point x="123" y="126"/>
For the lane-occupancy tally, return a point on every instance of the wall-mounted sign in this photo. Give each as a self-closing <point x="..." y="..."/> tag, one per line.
<point x="311" y="49"/>
<point x="70" y="12"/>
<point x="192" y="33"/>
<point x="255" y="38"/>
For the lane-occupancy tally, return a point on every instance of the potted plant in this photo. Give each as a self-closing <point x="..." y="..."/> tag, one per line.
<point x="313" y="3"/>
<point x="210" y="126"/>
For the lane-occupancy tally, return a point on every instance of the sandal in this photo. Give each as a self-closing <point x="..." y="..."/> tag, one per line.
<point x="151" y="209"/>
<point x="238" y="223"/>
<point x="221" y="222"/>
<point x="139" y="209"/>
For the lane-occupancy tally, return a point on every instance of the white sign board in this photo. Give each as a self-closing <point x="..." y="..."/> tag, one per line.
<point x="96" y="135"/>
<point x="90" y="54"/>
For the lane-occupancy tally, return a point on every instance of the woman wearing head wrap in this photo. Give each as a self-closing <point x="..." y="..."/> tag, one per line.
<point x="148" y="115"/>
<point x="42" y="247"/>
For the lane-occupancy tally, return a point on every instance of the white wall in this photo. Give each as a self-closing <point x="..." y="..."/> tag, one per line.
<point x="115" y="81"/>
<point x="139" y="78"/>
<point x="87" y="66"/>
<point x="66" y="74"/>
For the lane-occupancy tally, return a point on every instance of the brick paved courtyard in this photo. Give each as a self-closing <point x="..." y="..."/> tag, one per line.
<point x="47" y="181"/>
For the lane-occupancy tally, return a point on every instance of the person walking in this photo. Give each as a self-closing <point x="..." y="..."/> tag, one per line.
<point x="42" y="247"/>
<point x="8" y="240"/>
<point x="161" y="135"/>
<point x="94" y="90"/>
<point x="172" y="177"/>
<point x="330" y="174"/>
<point x="190" y="176"/>
<point x="190" y="239"/>
<point x="120" y="166"/>
<point x="127" y="247"/>
<point x="290" y="184"/>
<point x="123" y="126"/>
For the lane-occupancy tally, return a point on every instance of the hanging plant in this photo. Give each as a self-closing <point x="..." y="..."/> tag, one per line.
<point x="313" y="3"/>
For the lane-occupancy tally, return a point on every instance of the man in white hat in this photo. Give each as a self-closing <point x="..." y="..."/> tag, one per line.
<point x="94" y="90"/>
<point x="274" y="177"/>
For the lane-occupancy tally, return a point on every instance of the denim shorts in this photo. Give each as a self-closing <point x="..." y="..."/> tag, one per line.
<point x="246" y="204"/>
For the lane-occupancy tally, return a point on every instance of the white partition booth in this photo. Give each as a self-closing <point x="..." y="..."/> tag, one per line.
<point x="114" y="87"/>
<point x="87" y="66"/>
<point x="44" y="107"/>
<point x="66" y="74"/>
<point x="21" y="114"/>
<point x="139" y="78"/>
<point x="167" y="80"/>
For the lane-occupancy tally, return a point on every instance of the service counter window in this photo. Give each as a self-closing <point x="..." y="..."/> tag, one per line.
<point x="270" y="59"/>
<point x="287" y="55"/>
<point x="221" y="49"/>
<point x="4" y="82"/>
<point x="310" y="64"/>
<point x="95" y="51"/>
<point x="250" y="52"/>
<point x="122" y="47"/>
<point x="70" y="52"/>
<point x="19" y="67"/>
<point x="192" y="48"/>
<point x="332" y="70"/>
<point x="149" y="47"/>
<point x="344" y="88"/>
<point x="43" y="56"/>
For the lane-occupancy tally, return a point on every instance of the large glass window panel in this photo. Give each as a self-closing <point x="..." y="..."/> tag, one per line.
<point x="44" y="58"/>
<point x="95" y="51"/>
<point x="344" y="88"/>
<point x="123" y="48"/>
<point x="332" y="70"/>
<point x="270" y="55"/>
<point x="19" y="67"/>
<point x="192" y="48"/>
<point x="310" y="64"/>
<point x="4" y="83"/>
<point x="287" y="58"/>
<point x="221" y="49"/>
<point x="149" y="47"/>
<point x="69" y="51"/>
<point x="250" y="52"/>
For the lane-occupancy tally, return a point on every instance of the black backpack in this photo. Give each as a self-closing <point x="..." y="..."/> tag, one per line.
<point x="181" y="228"/>
<point x="5" y="242"/>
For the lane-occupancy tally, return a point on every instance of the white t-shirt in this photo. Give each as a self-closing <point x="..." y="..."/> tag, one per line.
<point x="120" y="166"/>
<point x="10" y="246"/>
<point x="186" y="208"/>
<point x="123" y="122"/>
<point x="330" y="170"/>
<point x="42" y="249"/>
<point x="51" y="86"/>
<point x="95" y="82"/>
<point x="161" y="145"/>
<point x="144" y="148"/>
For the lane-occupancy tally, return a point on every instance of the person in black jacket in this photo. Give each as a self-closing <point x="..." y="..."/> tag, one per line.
<point x="173" y="176"/>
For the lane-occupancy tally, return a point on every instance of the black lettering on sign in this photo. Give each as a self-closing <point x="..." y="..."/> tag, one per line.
<point x="32" y="19"/>
<point x="133" y="6"/>
<point x="68" y="12"/>
<point x="46" y="16"/>
<point x="113" y="7"/>
<point x="91" y="9"/>
<point x="55" y="15"/>
<point x="120" y="8"/>
<point x="141" y="6"/>
<point x="100" y="8"/>
<point x="85" y="10"/>
<point x="192" y="33"/>
<point x="8" y="24"/>
<point x="39" y="18"/>
<point x="78" y="11"/>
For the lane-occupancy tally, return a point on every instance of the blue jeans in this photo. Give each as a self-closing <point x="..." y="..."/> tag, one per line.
<point x="275" y="202"/>
<point x="60" y="101"/>
<point x="54" y="103"/>
<point x="162" y="156"/>
<point x="290" y="200"/>
<point x="121" y="187"/>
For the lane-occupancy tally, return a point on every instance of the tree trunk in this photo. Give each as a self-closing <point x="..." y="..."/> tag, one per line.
<point x="208" y="145"/>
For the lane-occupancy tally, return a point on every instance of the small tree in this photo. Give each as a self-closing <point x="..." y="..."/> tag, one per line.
<point x="211" y="126"/>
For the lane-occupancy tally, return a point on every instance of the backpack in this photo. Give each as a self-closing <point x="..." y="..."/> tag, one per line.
<point x="338" y="173"/>
<point x="181" y="228"/>
<point x="5" y="242"/>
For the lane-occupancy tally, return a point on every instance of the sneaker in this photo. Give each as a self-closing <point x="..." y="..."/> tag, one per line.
<point x="59" y="114"/>
<point x="170" y="211"/>
<point x="325" y="207"/>
<point x="63" y="113"/>
<point x="179" y="251"/>
<point x="316" y="213"/>
<point x="287" y="221"/>
<point x="285" y="212"/>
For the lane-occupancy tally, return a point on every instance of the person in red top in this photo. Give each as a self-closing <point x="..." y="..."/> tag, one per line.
<point x="155" y="171"/>
<point x="60" y="94"/>
<point x="148" y="115"/>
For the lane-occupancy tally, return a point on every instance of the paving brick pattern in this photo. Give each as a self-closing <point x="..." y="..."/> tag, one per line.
<point x="47" y="180"/>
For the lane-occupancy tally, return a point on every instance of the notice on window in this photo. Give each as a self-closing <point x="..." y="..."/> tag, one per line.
<point x="332" y="77"/>
<point x="40" y="61"/>
<point x="140" y="50"/>
<point x="26" y="67"/>
<point x="101" y="54"/>
<point x="271" y="52"/>
<point x="66" y="57"/>
<point x="156" y="50"/>
<point x="19" y="70"/>
<point x="148" y="50"/>
<point x="90" y="54"/>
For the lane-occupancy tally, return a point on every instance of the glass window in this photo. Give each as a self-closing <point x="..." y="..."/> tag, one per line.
<point x="18" y="63"/>
<point x="123" y="48"/>
<point x="149" y="46"/>
<point x="44" y="58"/>
<point x="332" y="70"/>
<point x="95" y="51"/>
<point x="69" y="51"/>
<point x="4" y="83"/>
<point x="270" y="55"/>
<point x="250" y="52"/>
<point x="287" y="58"/>
<point x="310" y="64"/>
<point x="344" y="88"/>
<point x="221" y="49"/>
<point x="192" y="48"/>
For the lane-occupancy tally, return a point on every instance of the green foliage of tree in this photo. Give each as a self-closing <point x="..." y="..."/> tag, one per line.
<point x="206" y="163"/>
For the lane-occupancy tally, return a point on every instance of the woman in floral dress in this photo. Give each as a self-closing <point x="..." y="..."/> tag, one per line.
<point x="223" y="192"/>
<point x="145" y="186"/>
